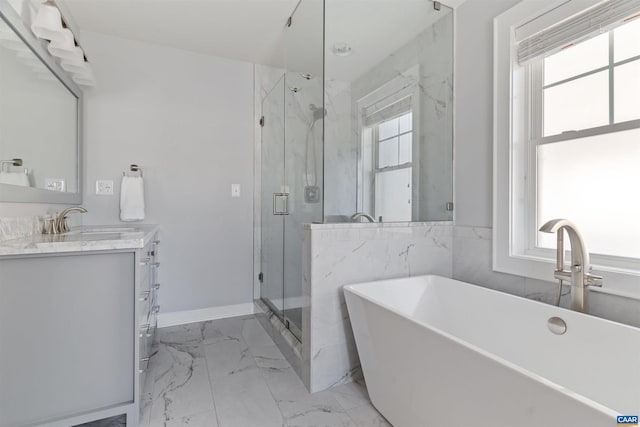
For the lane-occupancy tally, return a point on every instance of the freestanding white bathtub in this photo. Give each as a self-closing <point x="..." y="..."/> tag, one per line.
<point x="437" y="352"/>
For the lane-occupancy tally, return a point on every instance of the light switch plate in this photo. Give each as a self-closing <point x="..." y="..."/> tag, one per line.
<point x="55" y="184"/>
<point x="104" y="187"/>
<point x="235" y="190"/>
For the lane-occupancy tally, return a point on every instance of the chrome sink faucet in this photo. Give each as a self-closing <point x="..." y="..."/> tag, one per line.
<point x="60" y="223"/>
<point x="580" y="270"/>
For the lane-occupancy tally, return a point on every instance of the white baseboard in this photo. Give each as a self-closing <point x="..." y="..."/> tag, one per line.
<point x="204" y="314"/>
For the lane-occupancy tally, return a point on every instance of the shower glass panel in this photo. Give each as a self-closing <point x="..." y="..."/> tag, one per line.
<point x="272" y="201"/>
<point x="303" y="154"/>
<point x="292" y="163"/>
<point x="389" y="97"/>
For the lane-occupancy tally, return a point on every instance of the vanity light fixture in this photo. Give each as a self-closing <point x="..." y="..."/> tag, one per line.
<point x="65" y="48"/>
<point x="47" y="23"/>
<point x="81" y="72"/>
<point x="84" y="79"/>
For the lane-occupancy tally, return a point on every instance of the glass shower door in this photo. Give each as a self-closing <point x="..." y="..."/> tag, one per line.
<point x="303" y="153"/>
<point x="273" y="199"/>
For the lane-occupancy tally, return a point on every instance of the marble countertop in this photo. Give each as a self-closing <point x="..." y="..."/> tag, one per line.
<point x="84" y="239"/>
<point x="347" y="225"/>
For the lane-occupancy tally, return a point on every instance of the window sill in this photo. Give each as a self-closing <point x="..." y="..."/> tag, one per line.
<point x="618" y="281"/>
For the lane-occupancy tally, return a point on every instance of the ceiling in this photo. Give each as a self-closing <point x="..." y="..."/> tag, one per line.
<point x="254" y="30"/>
<point x="374" y="29"/>
<point x="246" y="30"/>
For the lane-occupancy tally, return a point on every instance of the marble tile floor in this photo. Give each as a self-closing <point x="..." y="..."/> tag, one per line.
<point x="229" y="373"/>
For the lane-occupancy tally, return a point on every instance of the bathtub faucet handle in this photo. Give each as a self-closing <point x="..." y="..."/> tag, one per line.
<point x="593" y="280"/>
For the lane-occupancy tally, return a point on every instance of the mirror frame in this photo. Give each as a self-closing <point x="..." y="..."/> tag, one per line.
<point x="14" y="193"/>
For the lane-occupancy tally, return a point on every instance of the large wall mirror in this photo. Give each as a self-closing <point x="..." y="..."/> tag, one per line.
<point x="40" y="120"/>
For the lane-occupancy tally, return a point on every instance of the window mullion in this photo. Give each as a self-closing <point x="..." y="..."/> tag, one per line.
<point x="611" y="80"/>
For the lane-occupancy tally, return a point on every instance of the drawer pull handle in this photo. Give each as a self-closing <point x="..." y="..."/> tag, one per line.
<point x="144" y="296"/>
<point x="155" y="309"/>
<point x="145" y="261"/>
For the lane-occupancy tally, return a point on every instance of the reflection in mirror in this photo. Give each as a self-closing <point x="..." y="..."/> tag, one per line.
<point x="38" y="121"/>
<point x="389" y="124"/>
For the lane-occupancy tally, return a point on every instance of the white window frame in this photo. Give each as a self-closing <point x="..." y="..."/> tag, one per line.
<point x="514" y="214"/>
<point x="377" y="170"/>
<point x="405" y="84"/>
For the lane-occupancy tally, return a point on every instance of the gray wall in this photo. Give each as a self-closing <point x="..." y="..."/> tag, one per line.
<point x="474" y="110"/>
<point x="187" y="119"/>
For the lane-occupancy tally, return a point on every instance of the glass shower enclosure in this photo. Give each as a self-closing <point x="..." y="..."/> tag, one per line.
<point x="358" y="119"/>
<point x="292" y="163"/>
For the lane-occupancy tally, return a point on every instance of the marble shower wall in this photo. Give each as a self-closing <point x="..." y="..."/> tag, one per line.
<point x="340" y="152"/>
<point x="303" y="167"/>
<point x="432" y="52"/>
<point x="341" y="254"/>
<point x="472" y="262"/>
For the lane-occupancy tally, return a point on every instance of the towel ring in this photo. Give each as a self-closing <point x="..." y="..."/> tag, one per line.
<point x="134" y="168"/>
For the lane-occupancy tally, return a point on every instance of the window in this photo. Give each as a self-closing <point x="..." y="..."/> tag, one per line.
<point x="393" y="168"/>
<point x="567" y="131"/>
<point x="388" y="184"/>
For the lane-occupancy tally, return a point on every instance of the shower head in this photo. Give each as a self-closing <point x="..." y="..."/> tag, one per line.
<point x="317" y="112"/>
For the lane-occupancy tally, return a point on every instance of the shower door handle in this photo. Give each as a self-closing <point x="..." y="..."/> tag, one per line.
<point x="281" y="203"/>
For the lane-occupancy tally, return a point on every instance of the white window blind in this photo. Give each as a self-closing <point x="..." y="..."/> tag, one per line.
<point x="389" y="107"/>
<point x="603" y="16"/>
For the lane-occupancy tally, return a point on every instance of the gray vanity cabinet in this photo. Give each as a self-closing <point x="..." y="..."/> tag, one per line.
<point x="75" y="335"/>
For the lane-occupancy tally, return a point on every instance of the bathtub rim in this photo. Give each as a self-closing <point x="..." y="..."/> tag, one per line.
<point x="353" y="289"/>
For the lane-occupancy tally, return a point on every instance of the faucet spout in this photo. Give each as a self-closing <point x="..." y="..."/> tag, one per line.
<point x="579" y="272"/>
<point x="359" y="215"/>
<point x="61" y="225"/>
<point x="579" y="253"/>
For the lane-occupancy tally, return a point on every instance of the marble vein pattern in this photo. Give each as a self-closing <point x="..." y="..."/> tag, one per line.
<point x="229" y="373"/>
<point x="431" y="51"/>
<point x="77" y="241"/>
<point x="286" y="342"/>
<point x="341" y="254"/>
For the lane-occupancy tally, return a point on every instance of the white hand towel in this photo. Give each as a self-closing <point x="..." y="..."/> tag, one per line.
<point x="15" y="178"/>
<point x="132" y="198"/>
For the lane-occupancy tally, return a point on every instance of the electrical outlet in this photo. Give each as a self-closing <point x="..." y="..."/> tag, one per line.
<point x="55" y="184"/>
<point x="235" y="190"/>
<point x="104" y="187"/>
